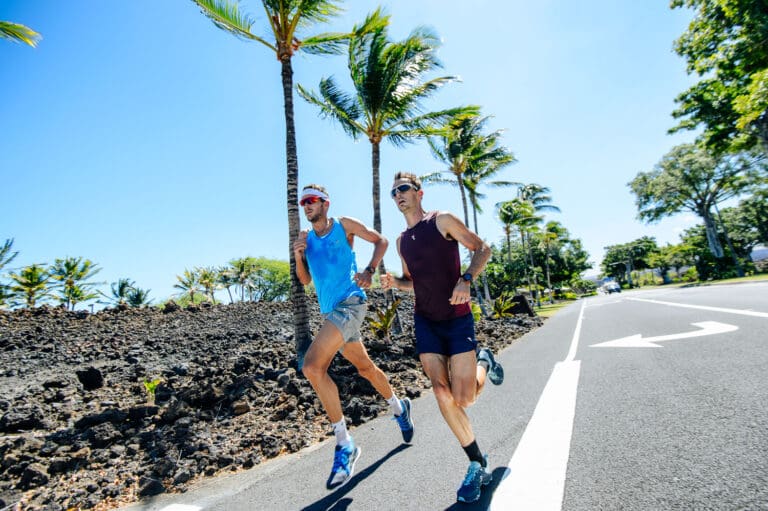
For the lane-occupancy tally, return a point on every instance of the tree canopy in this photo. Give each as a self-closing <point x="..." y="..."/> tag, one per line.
<point x="725" y="45"/>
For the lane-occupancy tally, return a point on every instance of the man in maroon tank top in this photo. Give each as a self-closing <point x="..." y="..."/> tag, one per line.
<point x="445" y="332"/>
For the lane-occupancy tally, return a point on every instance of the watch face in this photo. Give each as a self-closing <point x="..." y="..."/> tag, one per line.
<point x="467" y="277"/>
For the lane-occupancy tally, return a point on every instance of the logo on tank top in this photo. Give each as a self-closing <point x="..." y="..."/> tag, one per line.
<point x="413" y="237"/>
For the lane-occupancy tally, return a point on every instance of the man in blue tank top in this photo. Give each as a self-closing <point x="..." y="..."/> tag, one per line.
<point x="445" y="331"/>
<point x="325" y="253"/>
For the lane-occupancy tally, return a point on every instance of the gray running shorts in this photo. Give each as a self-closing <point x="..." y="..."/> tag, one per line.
<point x="348" y="316"/>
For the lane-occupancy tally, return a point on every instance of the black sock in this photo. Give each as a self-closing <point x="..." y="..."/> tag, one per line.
<point x="474" y="454"/>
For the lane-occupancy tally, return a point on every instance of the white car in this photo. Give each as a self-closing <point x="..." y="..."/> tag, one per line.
<point x="611" y="287"/>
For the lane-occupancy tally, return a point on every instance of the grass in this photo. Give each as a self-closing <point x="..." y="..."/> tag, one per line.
<point x="760" y="277"/>
<point x="548" y="310"/>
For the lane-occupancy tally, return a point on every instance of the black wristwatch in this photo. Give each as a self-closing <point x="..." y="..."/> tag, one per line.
<point x="467" y="277"/>
<point x="370" y="269"/>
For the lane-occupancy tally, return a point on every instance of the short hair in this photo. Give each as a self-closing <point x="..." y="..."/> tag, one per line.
<point x="319" y="188"/>
<point x="408" y="176"/>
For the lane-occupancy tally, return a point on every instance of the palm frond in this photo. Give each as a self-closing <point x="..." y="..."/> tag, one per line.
<point x="331" y="43"/>
<point x="335" y="103"/>
<point x="20" y="33"/>
<point x="226" y="15"/>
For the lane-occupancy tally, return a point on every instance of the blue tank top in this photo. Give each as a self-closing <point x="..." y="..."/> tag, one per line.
<point x="332" y="265"/>
<point x="435" y="267"/>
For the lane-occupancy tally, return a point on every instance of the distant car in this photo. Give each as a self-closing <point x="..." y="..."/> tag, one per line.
<point x="611" y="287"/>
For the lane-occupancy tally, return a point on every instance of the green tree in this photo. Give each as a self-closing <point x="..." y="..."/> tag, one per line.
<point x="725" y="45"/>
<point x="285" y="19"/>
<point x="520" y="214"/>
<point x="621" y="260"/>
<point x="138" y="297"/>
<point x="30" y="284"/>
<point x="551" y="237"/>
<point x="472" y="159"/>
<point x="208" y="278"/>
<point x="753" y="214"/>
<point x="240" y="272"/>
<point x="688" y="178"/>
<point x="19" y="33"/>
<point x="467" y="151"/>
<point x="226" y="280"/>
<point x="537" y="196"/>
<point x="270" y="281"/>
<point x="390" y="87"/>
<point x="72" y="275"/>
<point x="120" y="291"/>
<point x="189" y="284"/>
<point x="6" y="256"/>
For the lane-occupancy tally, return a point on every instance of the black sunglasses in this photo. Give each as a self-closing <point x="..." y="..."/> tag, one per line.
<point x="402" y="189"/>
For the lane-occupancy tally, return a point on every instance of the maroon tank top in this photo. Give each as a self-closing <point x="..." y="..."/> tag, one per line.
<point x="435" y="267"/>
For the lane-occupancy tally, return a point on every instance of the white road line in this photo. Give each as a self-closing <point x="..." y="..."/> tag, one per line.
<point x="576" y="333"/>
<point x="706" y="308"/>
<point x="537" y="469"/>
<point x="181" y="507"/>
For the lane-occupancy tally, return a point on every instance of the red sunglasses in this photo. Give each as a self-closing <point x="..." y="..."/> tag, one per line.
<point x="312" y="199"/>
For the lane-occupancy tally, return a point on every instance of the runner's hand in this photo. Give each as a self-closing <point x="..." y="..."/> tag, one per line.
<point x="387" y="281"/>
<point x="300" y="245"/>
<point x="461" y="293"/>
<point x="363" y="279"/>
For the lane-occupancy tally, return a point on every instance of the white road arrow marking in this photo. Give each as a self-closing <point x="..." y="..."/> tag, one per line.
<point x="637" y="340"/>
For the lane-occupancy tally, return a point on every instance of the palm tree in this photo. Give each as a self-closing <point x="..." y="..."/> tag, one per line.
<point x="226" y="280"/>
<point x="240" y="272"/>
<point x="72" y="274"/>
<point x="121" y="291"/>
<point x="138" y="297"/>
<point x="188" y="283"/>
<point x="5" y="253"/>
<point x="285" y="18"/>
<point x="551" y="237"/>
<point x="388" y="78"/>
<point x="31" y="284"/>
<point x="536" y="195"/>
<point x="518" y="213"/>
<point x="472" y="158"/>
<point x="208" y="278"/>
<point x="18" y="32"/>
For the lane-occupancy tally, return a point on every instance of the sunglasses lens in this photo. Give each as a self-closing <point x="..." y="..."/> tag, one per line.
<point x="401" y="188"/>
<point x="308" y="200"/>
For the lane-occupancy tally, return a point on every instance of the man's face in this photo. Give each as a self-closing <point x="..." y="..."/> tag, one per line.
<point x="315" y="211"/>
<point x="404" y="194"/>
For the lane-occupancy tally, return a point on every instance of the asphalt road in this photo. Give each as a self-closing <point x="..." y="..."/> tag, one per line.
<point x="675" y="418"/>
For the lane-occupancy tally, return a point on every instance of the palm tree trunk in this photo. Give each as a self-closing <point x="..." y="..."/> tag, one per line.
<point x="549" y="282"/>
<point x="397" y="327"/>
<point x="533" y="274"/>
<point x="301" y="333"/>
<point x="485" y="277"/>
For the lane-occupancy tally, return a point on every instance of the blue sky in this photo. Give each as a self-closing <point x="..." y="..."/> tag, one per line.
<point x="140" y="136"/>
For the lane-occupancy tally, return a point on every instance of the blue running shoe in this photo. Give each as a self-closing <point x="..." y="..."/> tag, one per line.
<point x="495" y="371"/>
<point x="405" y="421"/>
<point x="344" y="459"/>
<point x="477" y="477"/>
